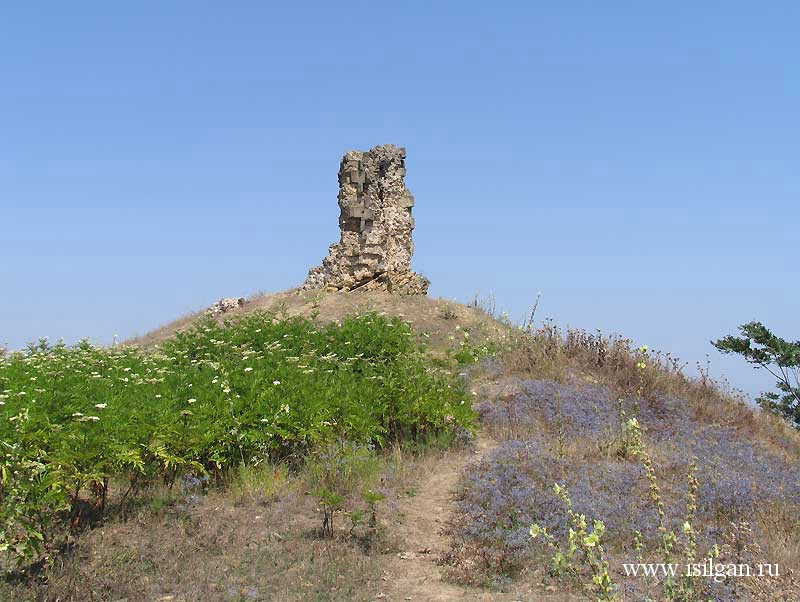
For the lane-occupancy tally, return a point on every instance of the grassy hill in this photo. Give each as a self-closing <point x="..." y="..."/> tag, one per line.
<point x="353" y="446"/>
<point x="435" y="319"/>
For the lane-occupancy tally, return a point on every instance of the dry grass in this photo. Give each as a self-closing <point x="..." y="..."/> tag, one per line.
<point x="212" y="551"/>
<point x="255" y="538"/>
<point x="579" y="357"/>
<point x="434" y="320"/>
<point x="783" y="528"/>
<point x="582" y="360"/>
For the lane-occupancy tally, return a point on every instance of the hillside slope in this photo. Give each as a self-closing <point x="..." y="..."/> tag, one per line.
<point x="630" y="441"/>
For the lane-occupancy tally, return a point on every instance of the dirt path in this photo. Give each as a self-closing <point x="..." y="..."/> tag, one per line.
<point x="414" y="574"/>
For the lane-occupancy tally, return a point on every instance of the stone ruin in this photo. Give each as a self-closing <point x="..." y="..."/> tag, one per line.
<point x="225" y="305"/>
<point x="374" y="252"/>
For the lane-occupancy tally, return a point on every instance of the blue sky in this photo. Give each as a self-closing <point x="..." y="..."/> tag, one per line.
<point x="637" y="163"/>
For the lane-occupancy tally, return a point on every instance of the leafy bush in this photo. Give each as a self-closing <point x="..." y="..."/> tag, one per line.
<point x="215" y="397"/>
<point x="781" y="358"/>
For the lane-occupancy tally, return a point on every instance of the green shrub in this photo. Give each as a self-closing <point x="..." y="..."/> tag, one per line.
<point x="781" y="358"/>
<point x="215" y="397"/>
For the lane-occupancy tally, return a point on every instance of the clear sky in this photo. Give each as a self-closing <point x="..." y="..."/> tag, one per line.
<point x="636" y="162"/>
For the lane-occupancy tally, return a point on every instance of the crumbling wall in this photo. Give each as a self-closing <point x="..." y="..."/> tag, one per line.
<point x="225" y="305"/>
<point x="375" y="248"/>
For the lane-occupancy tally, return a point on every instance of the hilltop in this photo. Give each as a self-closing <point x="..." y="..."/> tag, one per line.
<point x="433" y="320"/>
<point x="453" y="512"/>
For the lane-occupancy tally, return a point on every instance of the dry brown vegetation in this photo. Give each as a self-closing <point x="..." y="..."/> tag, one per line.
<point x="577" y="356"/>
<point x="556" y="419"/>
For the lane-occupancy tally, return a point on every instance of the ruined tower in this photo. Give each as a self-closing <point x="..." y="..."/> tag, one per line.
<point x="375" y="249"/>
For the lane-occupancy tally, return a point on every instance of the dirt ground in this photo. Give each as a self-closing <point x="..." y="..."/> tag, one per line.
<point x="415" y="574"/>
<point x="435" y="320"/>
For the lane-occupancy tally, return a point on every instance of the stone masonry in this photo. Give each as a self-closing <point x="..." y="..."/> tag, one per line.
<point x="374" y="252"/>
<point x="225" y="305"/>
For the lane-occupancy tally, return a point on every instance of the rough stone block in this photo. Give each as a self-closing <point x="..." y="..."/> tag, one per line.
<point x="375" y="247"/>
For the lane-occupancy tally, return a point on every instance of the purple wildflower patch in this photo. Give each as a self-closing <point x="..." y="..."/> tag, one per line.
<point x="513" y="486"/>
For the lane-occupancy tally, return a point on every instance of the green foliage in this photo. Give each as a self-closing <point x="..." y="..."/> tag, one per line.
<point x="684" y="587"/>
<point x="215" y="397"/>
<point x="373" y="498"/>
<point x="331" y="503"/>
<point x="584" y="539"/>
<point x="469" y="352"/>
<point x="585" y="542"/>
<point x="338" y="473"/>
<point x="781" y="358"/>
<point x="31" y="498"/>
